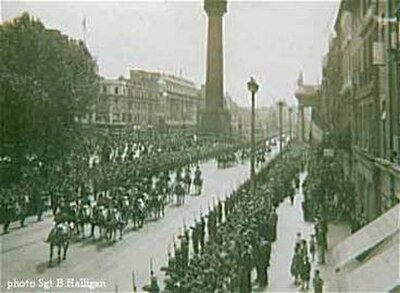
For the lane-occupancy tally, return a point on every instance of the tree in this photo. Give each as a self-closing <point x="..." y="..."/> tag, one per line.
<point x="46" y="80"/>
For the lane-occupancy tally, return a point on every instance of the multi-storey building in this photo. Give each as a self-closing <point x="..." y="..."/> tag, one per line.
<point x="148" y="99"/>
<point x="164" y="102"/>
<point x="360" y="105"/>
<point x="357" y="95"/>
<point x="113" y="103"/>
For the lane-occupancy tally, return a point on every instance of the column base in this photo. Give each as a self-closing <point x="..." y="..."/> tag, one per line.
<point x="216" y="122"/>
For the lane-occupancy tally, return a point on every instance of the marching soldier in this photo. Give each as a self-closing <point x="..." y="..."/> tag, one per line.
<point x="263" y="260"/>
<point x="9" y="213"/>
<point x="272" y="223"/>
<point x="195" y="237"/>
<point x="23" y="203"/>
<point x="211" y="224"/>
<point x="219" y="213"/>
<point x="202" y="229"/>
<point x="41" y="199"/>
<point x="246" y="268"/>
<point x="153" y="287"/>
<point x="185" y="248"/>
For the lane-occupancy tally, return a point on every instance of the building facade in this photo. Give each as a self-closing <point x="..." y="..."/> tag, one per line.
<point x="359" y="98"/>
<point x="164" y="102"/>
<point x="148" y="100"/>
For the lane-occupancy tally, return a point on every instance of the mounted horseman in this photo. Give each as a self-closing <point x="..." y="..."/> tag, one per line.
<point x="188" y="179"/>
<point x="138" y="214"/>
<point x="83" y="217"/>
<point x="198" y="181"/>
<point x="23" y="203"/>
<point x="59" y="237"/>
<point x="113" y="221"/>
<point x="180" y="193"/>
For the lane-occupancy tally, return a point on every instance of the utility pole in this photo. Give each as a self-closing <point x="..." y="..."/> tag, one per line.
<point x="280" y="105"/>
<point x="253" y="88"/>
<point x="290" y="122"/>
<point x="393" y="45"/>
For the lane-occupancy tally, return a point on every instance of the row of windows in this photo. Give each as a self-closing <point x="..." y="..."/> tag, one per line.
<point x="365" y="126"/>
<point x="143" y="92"/>
<point x="118" y="118"/>
<point x="113" y="90"/>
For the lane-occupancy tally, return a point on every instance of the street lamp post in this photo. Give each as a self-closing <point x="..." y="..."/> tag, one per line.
<point x="253" y="88"/>
<point x="290" y="122"/>
<point x="280" y="105"/>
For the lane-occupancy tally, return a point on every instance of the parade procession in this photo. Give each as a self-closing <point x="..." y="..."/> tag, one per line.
<point x="208" y="146"/>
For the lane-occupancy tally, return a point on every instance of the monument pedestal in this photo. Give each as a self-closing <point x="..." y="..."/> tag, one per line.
<point x="216" y="122"/>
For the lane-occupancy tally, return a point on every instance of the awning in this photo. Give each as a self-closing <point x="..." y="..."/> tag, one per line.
<point x="367" y="237"/>
<point x="381" y="273"/>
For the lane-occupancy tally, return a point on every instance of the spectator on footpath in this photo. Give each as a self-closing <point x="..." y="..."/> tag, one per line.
<point x="305" y="274"/>
<point x="312" y="247"/>
<point x="318" y="282"/>
<point x="298" y="238"/>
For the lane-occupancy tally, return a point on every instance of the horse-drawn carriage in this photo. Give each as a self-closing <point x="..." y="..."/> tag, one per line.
<point x="226" y="160"/>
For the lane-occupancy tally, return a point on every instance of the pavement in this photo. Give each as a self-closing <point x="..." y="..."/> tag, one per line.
<point x="290" y="221"/>
<point x="108" y="267"/>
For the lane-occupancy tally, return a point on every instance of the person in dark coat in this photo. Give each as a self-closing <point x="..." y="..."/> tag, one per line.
<point x="219" y="209"/>
<point x="153" y="287"/>
<point x="305" y="274"/>
<point x="195" y="238"/>
<point x="8" y="213"/>
<point x="272" y="223"/>
<point x="262" y="262"/>
<point x="318" y="282"/>
<point x="312" y="247"/>
<point x="246" y="268"/>
<point x="202" y="229"/>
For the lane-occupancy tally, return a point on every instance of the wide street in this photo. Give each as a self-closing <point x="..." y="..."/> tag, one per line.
<point x="115" y="263"/>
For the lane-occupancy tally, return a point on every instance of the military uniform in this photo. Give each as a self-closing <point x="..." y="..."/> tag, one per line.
<point x="9" y="213"/>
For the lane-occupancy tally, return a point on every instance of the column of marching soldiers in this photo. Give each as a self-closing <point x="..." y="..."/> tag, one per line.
<point x="240" y="233"/>
<point x="235" y="237"/>
<point x="105" y="188"/>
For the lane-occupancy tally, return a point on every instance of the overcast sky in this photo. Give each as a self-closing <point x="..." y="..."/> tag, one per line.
<point x="271" y="40"/>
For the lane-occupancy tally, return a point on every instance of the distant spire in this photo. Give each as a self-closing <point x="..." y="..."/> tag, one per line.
<point x="84" y="29"/>
<point x="300" y="79"/>
<point x="180" y="72"/>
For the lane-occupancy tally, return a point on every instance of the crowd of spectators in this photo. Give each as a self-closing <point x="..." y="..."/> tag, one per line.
<point x="240" y="241"/>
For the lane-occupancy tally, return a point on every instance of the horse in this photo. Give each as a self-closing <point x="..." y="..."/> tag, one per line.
<point x="158" y="205"/>
<point x="187" y="180"/>
<point x="94" y="219"/>
<point x="59" y="236"/>
<point x="83" y="217"/>
<point x="180" y="194"/>
<point x="168" y="191"/>
<point x="101" y="221"/>
<point x="198" y="183"/>
<point x="138" y="214"/>
<point x="113" y="222"/>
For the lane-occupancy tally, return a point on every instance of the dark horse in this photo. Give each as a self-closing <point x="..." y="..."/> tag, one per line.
<point x="83" y="217"/>
<point x="188" y="180"/>
<point x="198" y="181"/>
<point x="138" y="213"/>
<point x="59" y="236"/>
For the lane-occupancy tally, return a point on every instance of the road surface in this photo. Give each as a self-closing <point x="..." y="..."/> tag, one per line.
<point x="24" y="254"/>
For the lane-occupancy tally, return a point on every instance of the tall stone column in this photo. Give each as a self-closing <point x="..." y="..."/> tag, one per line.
<point x="302" y="125"/>
<point x="215" y="118"/>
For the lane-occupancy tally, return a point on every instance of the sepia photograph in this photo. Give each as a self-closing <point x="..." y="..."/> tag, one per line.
<point x="200" y="146"/>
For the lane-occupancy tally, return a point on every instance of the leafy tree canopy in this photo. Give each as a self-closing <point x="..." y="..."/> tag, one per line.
<point x="46" y="80"/>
